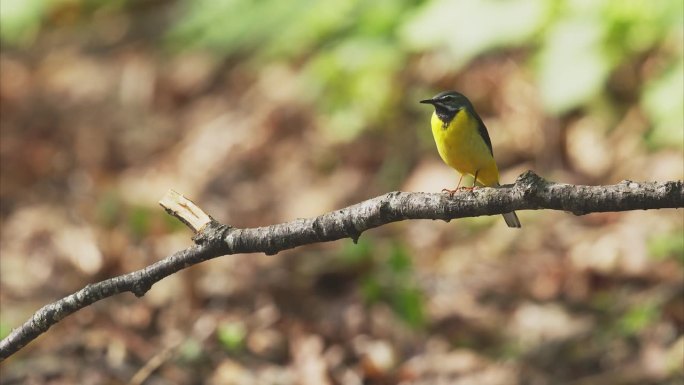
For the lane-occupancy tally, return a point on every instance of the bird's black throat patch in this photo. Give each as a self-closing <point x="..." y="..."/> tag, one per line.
<point x="445" y="115"/>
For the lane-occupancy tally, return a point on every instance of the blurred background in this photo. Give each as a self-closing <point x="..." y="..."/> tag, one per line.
<point x="263" y="112"/>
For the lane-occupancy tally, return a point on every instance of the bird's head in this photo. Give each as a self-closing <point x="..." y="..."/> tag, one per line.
<point x="448" y="103"/>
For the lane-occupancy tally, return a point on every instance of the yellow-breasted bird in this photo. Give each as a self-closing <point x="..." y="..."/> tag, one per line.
<point x="463" y="142"/>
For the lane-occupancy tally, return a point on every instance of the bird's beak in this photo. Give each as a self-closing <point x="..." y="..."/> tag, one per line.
<point x="428" y="101"/>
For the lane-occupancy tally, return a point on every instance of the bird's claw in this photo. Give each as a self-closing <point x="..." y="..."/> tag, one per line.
<point x="457" y="189"/>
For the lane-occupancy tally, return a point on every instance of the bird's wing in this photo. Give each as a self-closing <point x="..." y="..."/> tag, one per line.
<point x="483" y="132"/>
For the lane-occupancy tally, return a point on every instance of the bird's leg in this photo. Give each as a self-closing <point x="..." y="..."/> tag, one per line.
<point x="452" y="192"/>
<point x="474" y="181"/>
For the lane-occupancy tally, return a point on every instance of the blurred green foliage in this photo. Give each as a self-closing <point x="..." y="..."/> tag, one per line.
<point x="139" y="220"/>
<point x="392" y="281"/>
<point x="231" y="335"/>
<point x="588" y="39"/>
<point x="667" y="246"/>
<point x="20" y="20"/>
<point x="389" y="277"/>
<point x="112" y="211"/>
<point x="190" y="350"/>
<point x="464" y="29"/>
<point x="663" y="101"/>
<point x="109" y="209"/>
<point x="359" y="49"/>
<point x="638" y="318"/>
<point x="357" y="253"/>
<point x="350" y="56"/>
<point x="4" y="330"/>
<point x="345" y="46"/>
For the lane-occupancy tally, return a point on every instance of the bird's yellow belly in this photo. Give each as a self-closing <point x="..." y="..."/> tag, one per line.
<point x="462" y="147"/>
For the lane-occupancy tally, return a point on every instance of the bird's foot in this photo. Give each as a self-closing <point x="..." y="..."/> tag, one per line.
<point x="457" y="189"/>
<point x="451" y="192"/>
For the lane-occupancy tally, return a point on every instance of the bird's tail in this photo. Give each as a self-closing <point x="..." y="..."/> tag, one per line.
<point x="512" y="220"/>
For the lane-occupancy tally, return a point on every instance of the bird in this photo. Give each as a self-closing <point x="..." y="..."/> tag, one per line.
<point x="463" y="143"/>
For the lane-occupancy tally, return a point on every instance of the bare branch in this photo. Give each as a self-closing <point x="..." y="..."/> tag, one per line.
<point x="530" y="192"/>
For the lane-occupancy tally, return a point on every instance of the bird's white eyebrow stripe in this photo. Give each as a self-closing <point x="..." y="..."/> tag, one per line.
<point x="449" y="107"/>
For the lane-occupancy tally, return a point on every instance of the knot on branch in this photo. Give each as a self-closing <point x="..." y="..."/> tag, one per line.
<point x="530" y="183"/>
<point x="212" y="234"/>
<point x="141" y="287"/>
<point x="676" y="190"/>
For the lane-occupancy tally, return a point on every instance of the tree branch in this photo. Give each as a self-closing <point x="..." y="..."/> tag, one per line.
<point x="530" y="192"/>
